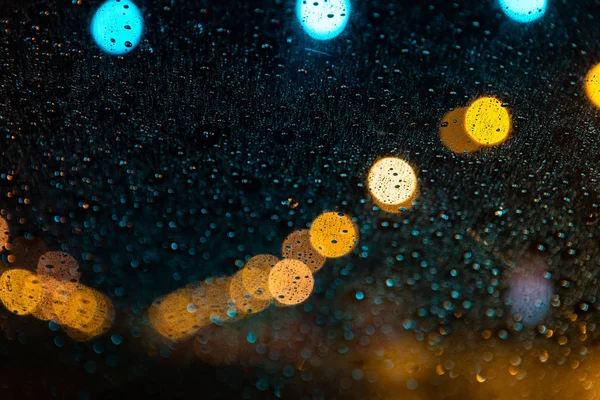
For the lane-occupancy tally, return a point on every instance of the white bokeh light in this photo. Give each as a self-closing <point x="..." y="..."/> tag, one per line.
<point x="524" y="10"/>
<point x="323" y="19"/>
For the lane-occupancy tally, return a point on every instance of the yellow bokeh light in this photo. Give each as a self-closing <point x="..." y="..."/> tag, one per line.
<point x="245" y="302"/>
<point x="487" y="122"/>
<point x="45" y="309"/>
<point x="333" y="234"/>
<point x="82" y="308"/>
<point x="171" y="317"/>
<point x="592" y="85"/>
<point x="255" y="275"/>
<point x="20" y="291"/>
<point x="392" y="181"/>
<point x="453" y="133"/>
<point x="297" y="247"/>
<point x="291" y="282"/>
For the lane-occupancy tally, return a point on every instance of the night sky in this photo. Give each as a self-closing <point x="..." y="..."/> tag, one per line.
<point x="228" y="127"/>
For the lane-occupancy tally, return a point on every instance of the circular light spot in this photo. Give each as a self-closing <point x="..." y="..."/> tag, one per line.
<point x="290" y="282"/>
<point x="297" y="247"/>
<point x="169" y="316"/>
<point x="524" y="10"/>
<point x="82" y="308"/>
<point x="117" y="26"/>
<point x="453" y="134"/>
<point x="323" y="19"/>
<point x="58" y="265"/>
<point x="45" y="309"/>
<point x="255" y="275"/>
<point x="392" y="182"/>
<point x="20" y="291"/>
<point x="487" y="122"/>
<point x="245" y="302"/>
<point x="592" y="85"/>
<point x="333" y="234"/>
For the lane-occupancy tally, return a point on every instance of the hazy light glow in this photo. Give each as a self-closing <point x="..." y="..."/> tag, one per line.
<point x="245" y="302"/>
<point x="87" y="311"/>
<point x="453" y="134"/>
<point x="297" y="247"/>
<point x="117" y="26"/>
<point x="592" y="85"/>
<point x="323" y="19"/>
<point x="255" y="275"/>
<point x="170" y="317"/>
<point x="333" y="234"/>
<point x="529" y="292"/>
<point x="212" y="300"/>
<point x="392" y="181"/>
<point x="524" y="10"/>
<point x="487" y="122"/>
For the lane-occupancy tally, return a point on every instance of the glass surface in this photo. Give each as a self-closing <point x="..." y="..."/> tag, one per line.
<point x="290" y="199"/>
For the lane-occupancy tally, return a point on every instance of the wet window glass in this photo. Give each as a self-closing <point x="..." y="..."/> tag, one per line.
<point x="299" y="199"/>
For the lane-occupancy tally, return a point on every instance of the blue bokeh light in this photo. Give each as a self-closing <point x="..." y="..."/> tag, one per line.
<point x="323" y="19"/>
<point x="524" y="10"/>
<point x="117" y="26"/>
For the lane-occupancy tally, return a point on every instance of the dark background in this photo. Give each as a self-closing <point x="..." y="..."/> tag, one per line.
<point x="227" y="110"/>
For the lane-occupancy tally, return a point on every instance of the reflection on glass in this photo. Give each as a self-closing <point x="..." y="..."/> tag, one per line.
<point x="453" y="133"/>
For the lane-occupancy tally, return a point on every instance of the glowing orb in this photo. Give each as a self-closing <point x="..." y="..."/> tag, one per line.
<point x="59" y="265"/>
<point x="245" y="302"/>
<point x="487" y="122"/>
<point x="392" y="182"/>
<point x="453" y="134"/>
<point x="297" y="247"/>
<point x="45" y="309"/>
<point x="529" y="292"/>
<point x="524" y="10"/>
<point x="291" y="282"/>
<point x="82" y="308"/>
<point x="169" y="315"/>
<point x="117" y="26"/>
<point x="592" y="85"/>
<point x="255" y="275"/>
<point x="333" y="234"/>
<point x="20" y="291"/>
<point x="323" y="19"/>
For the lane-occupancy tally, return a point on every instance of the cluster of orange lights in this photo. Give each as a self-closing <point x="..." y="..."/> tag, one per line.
<point x="53" y="293"/>
<point x="264" y="280"/>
